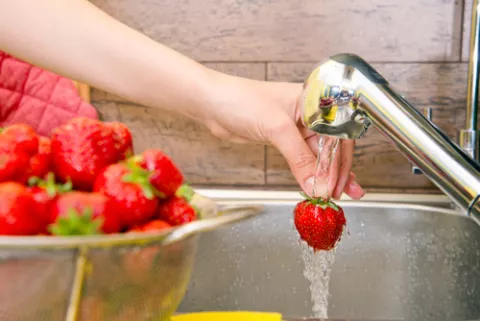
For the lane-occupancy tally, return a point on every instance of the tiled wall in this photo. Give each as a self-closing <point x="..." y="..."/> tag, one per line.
<point x="421" y="47"/>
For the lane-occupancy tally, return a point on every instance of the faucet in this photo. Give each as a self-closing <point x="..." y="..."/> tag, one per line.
<point x="344" y="95"/>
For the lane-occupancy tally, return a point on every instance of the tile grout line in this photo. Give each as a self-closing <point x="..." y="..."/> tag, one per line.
<point x="462" y="28"/>
<point x="266" y="62"/>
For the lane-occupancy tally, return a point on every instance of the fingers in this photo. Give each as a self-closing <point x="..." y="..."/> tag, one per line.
<point x="353" y="189"/>
<point x="327" y="170"/>
<point x="346" y="149"/>
<point x="340" y="178"/>
<point x="333" y="174"/>
<point x="300" y="158"/>
<point x="334" y="155"/>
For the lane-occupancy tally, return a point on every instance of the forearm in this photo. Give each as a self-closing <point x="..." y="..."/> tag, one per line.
<point x="77" y="40"/>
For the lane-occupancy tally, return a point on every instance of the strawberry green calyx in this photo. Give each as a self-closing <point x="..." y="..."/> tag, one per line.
<point x="50" y="185"/>
<point x="186" y="192"/>
<point x="320" y="202"/>
<point x="141" y="177"/>
<point x="75" y="223"/>
<point x="129" y="154"/>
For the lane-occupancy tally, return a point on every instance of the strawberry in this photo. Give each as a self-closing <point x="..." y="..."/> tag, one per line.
<point x="83" y="213"/>
<point x="123" y="137"/>
<point x="81" y="149"/>
<point x="155" y="225"/>
<point x="45" y="193"/>
<point x="165" y="177"/>
<point x="127" y="185"/>
<point x="16" y="210"/>
<point x="13" y="160"/>
<point x="176" y="211"/>
<point x="24" y="135"/>
<point x="319" y="222"/>
<point x="39" y="164"/>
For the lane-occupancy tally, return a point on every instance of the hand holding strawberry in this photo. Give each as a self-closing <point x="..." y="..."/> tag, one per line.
<point x="319" y="222"/>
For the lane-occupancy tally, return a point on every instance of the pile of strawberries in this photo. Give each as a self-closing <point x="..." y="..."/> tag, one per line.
<point x="85" y="180"/>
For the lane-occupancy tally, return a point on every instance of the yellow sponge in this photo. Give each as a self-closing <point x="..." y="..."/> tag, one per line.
<point x="228" y="316"/>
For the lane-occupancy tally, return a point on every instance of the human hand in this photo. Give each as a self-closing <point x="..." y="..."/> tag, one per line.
<point x="266" y="112"/>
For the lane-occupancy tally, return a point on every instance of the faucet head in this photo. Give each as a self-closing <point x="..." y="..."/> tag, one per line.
<point x="332" y="96"/>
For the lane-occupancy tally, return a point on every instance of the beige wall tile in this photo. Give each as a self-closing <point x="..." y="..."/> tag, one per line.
<point x="283" y="30"/>
<point x="203" y="158"/>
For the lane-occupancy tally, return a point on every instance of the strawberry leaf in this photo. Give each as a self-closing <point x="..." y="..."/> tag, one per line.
<point x="33" y="181"/>
<point x="198" y="212"/>
<point x="186" y="192"/>
<point x="129" y="153"/>
<point x="50" y="185"/>
<point x="75" y="223"/>
<point x="320" y="202"/>
<point x="148" y="191"/>
<point x="306" y="196"/>
<point x="67" y="187"/>
<point x="134" y="159"/>
<point x="141" y="177"/>
<point x="333" y="205"/>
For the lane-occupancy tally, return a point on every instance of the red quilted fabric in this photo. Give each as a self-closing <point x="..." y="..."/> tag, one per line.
<point x="37" y="97"/>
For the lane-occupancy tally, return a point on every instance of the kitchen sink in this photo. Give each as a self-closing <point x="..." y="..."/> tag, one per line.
<point x="407" y="257"/>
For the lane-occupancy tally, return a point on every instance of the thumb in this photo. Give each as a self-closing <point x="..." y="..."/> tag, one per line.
<point x="301" y="160"/>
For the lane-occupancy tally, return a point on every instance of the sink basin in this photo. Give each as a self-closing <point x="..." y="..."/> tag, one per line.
<point x="406" y="258"/>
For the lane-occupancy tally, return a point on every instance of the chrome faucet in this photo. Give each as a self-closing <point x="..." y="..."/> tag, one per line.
<point x="468" y="136"/>
<point x="344" y="95"/>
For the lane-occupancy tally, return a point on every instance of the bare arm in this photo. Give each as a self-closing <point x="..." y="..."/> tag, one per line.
<point x="77" y="40"/>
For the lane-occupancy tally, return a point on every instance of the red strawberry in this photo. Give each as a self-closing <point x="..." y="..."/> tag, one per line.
<point x="13" y="160"/>
<point x="165" y="177"/>
<point x="123" y="137"/>
<point x="319" y="222"/>
<point x="134" y="198"/>
<point x="16" y="210"/>
<point x="39" y="164"/>
<point x="81" y="149"/>
<point x="83" y="213"/>
<point x="176" y="211"/>
<point x="45" y="193"/>
<point x="155" y="225"/>
<point x="23" y="135"/>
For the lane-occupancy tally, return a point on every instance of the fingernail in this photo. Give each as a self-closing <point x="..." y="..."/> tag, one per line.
<point x="320" y="187"/>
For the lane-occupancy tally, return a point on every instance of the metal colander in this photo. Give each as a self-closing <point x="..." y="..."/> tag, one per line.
<point x="110" y="277"/>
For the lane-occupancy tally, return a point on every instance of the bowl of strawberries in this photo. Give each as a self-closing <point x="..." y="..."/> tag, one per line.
<point x="89" y="230"/>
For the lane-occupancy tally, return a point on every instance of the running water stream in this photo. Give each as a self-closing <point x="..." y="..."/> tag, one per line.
<point x="318" y="265"/>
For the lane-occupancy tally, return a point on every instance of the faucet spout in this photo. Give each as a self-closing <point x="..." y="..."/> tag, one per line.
<point x="344" y="95"/>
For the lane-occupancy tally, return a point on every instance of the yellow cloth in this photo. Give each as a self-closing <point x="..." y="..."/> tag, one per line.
<point x="228" y="316"/>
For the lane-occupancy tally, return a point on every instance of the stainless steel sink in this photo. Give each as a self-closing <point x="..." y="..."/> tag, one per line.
<point x="407" y="258"/>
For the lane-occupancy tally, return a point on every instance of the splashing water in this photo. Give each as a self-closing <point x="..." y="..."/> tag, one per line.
<point x="327" y="148"/>
<point x="318" y="265"/>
